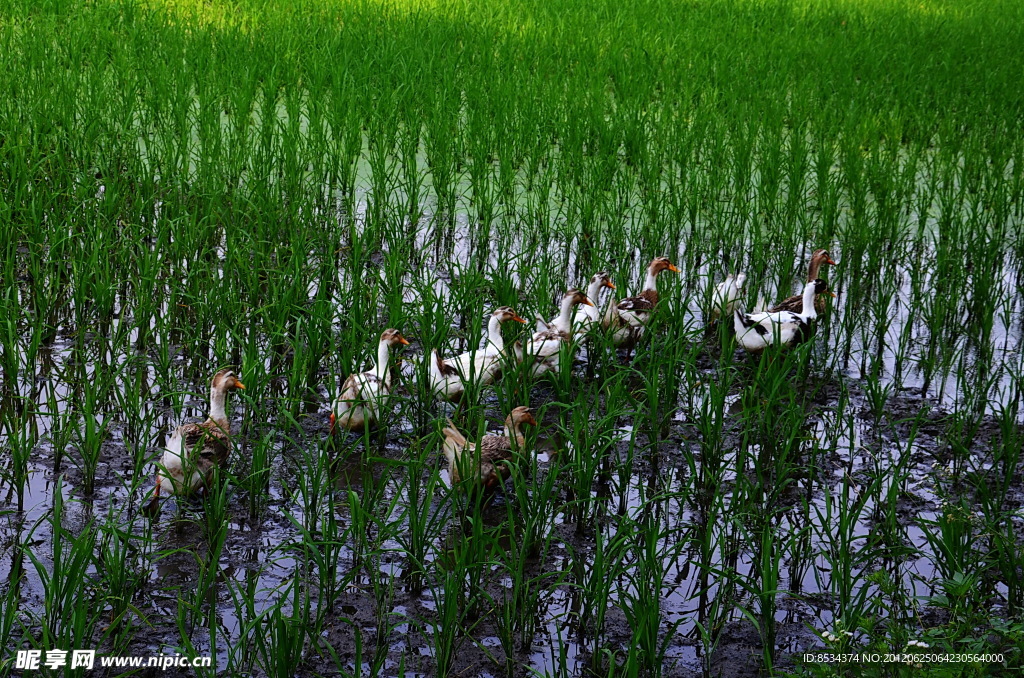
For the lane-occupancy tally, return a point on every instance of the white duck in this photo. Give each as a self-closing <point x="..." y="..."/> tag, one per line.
<point x="726" y="296"/>
<point x="756" y="332"/>
<point x="544" y="347"/>
<point x="448" y="377"/>
<point x="363" y="394"/>
<point x="627" y="318"/>
<point x="194" y="450"/>
<point x="587" y="317"/>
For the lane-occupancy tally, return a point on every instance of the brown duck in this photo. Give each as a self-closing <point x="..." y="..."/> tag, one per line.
<point x="795" y="303"/>
<point x="194" y="450"/>
<point x="627" y="318"/>
<point x="494" y="450"/>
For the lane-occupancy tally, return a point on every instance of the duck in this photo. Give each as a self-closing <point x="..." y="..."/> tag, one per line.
<point x="794" y="304"/>
<point x="362" y="394"/>
<point x="195" y="450"/>
<point x="546" y="343"/>
<point x="494" y="450"/>
<point x="627" y="318"/>
<point x="448" y="377"/>
<point x="726" y="296"/>
<point x="756" y="332"/>
<point x="588" y="317"/>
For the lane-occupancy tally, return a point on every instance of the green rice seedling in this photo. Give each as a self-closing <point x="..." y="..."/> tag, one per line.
<point x="424" y="517"/>
<point x="763" y="585"/>
<point x="446" y="629"/>
<point x="595" y="573"/>
<point x="530" y="511"/>
<point x="383" y="590"/>
<point x="256" y="484"/>
<point x="10" y="624"/>
<point x="952" y="538"/>
<point x="640" y="600"/>
<point x="325" y="552"/>
<point x="767" y="593"/>
<point x="19" y="443"/>
<point x="313" y="480"/>
<point x="662" y="383"/>
<point x="131" y="395"/>
<point x="1007" y="448"/>
<point x="361" y="509"/>
<point x="594" y="440"/>
<point x="846" y="550"/>
<point x="120" y="562"/>
<point x="67" y="580"/>
<point x="281" y="645"/>
<point x="92" y="431"/>
<point x="1007" y="555"/>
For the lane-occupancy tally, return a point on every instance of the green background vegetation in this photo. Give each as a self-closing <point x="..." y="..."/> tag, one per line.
<point x="185" y="185"/>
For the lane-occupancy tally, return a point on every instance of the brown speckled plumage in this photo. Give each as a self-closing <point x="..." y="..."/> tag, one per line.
<point x="494" y="450"/>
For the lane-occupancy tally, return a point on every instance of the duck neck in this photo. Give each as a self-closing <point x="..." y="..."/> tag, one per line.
<point x="512" y="431"/>
<point x="594" y="291"/>
<point x="565" y="315"/>
<point x="652" y="280"/>
<point x="813" y="268"/>
<point x="808" y="309"/>
<point x="494" y="334"/>
<point x="381" y="368"/>
<point x="218" y="404"/>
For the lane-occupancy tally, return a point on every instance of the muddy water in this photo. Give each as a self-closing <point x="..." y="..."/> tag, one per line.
<point x="258" y="556"/>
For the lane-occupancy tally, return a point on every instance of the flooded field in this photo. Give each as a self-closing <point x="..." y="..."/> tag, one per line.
<point x="683" y="508"/>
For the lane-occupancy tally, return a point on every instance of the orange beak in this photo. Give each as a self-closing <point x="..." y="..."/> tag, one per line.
<point x="331" y="430"/>
<point x="609" y="283"/>
<point x="402" y="340"/>
<point x="587" y="302"/>
<point x="832" y="294"/>
<point x="673" y="268"/>
<point x="239" y="384"/>
<point x="828" y="260"/>
<point x="518" y="319"/>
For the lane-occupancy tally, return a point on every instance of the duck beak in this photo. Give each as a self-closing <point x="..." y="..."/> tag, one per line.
<point x="518" y="319"/>
<point x="587" y="302"/>
<point x="832" y="294"/>
<point x="403" y="341"/>
<point x="673" y="268"/>
<point x="239" y="384"/>
<point x="610" y="284"/>
<point x="332" y="424"/>
<point x="828" y="260"/>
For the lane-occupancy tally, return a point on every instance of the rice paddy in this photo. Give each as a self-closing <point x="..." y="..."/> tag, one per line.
<point x="186" y="186"/>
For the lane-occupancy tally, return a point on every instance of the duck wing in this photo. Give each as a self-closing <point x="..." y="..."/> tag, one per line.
<point x="495" y="452"/>
<point x="634" y="310"/>
<point x="794" y="304"/>
<point x="546" y="344"/>
<point x="206" y="444"/>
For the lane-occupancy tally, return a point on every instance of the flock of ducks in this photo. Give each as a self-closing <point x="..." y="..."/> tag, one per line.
<point x="195" y="450"/>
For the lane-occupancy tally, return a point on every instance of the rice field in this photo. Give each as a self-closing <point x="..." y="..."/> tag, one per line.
<point x="187" y="186"/>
